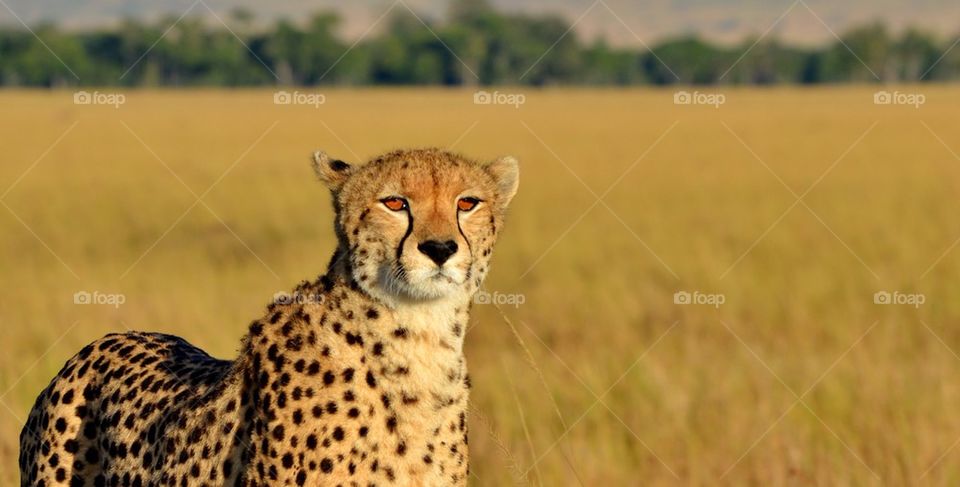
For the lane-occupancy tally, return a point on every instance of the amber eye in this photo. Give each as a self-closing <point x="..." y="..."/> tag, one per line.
<point x="394" y="203"/>
<point x="467" y="204"/>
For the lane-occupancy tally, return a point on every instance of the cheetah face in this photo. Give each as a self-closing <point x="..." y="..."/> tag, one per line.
<point x="419" y="225"/>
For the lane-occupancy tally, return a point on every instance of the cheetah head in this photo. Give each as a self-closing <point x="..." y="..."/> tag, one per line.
<point x="418" y="225"/>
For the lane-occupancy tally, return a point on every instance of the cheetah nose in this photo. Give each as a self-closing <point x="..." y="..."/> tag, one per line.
<point x="438" y="251"/>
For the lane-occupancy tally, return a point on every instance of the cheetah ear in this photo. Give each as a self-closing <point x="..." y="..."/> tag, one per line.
<point x="506" y="172"/>
<point x="333" y="172"/>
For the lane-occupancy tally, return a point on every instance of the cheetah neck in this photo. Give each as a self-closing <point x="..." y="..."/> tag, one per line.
<point x="358" y="375"/>
<point x="421" y="352"/>
<point x="410" y="346"/>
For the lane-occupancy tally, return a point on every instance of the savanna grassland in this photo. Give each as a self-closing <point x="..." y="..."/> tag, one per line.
<point x="796" y="206"/>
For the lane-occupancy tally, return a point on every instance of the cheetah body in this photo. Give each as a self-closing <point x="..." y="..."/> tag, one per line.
<point x="344" y="381"/>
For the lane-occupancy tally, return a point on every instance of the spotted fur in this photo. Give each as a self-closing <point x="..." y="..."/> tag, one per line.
<point x="355" y="379"/>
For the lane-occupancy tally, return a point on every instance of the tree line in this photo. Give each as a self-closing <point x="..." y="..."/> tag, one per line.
<point x="474" y="45"/>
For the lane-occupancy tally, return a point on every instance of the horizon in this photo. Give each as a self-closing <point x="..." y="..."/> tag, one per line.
<point x="801" y="23"/>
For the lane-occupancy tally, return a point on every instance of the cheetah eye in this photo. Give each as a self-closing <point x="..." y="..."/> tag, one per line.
<point x="467" y="204"/>
<point x="394" y="203"/>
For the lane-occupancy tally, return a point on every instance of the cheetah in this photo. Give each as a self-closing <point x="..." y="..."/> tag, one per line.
<point x="357" y="378"/>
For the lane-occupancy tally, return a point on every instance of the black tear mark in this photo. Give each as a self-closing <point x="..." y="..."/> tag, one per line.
<point x="465" y="239"/>
<point x="406" y="234"/>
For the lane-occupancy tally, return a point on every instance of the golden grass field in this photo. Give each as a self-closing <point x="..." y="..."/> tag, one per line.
<point x="598" y="378"/>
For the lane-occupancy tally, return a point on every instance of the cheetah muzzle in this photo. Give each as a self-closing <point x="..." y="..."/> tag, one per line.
<point x="357" y="378"/>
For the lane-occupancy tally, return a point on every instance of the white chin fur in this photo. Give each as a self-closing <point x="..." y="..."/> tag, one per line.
<point x="421" y="284"/>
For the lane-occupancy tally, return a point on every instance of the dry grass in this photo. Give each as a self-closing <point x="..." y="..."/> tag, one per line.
<point x="687" y="394"/>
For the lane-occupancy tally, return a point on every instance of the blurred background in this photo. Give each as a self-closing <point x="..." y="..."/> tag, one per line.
<point x="732" y="259"/>
<point x="470" y="42"/>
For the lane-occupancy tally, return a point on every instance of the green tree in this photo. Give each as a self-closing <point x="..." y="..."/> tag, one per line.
<point x="913" y="55"/>
<point x="689" y="61"/>
<point x="861" y="55"/>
